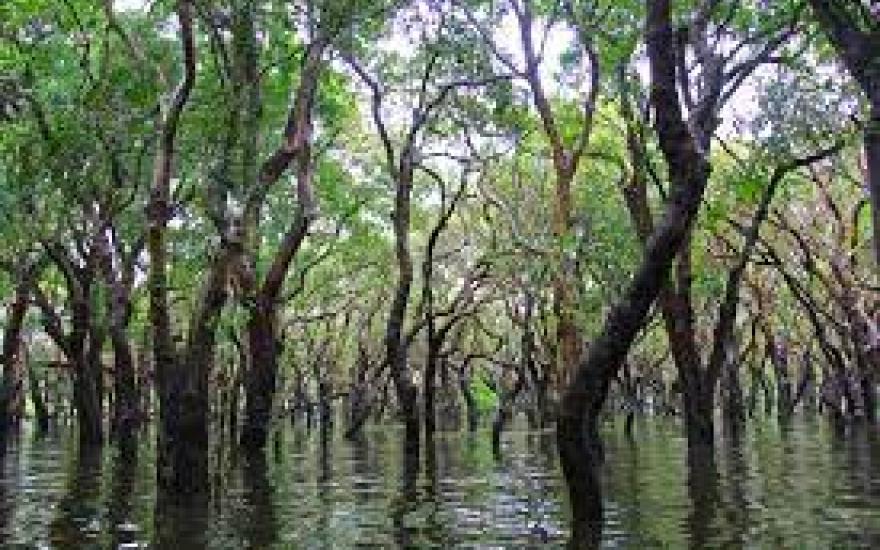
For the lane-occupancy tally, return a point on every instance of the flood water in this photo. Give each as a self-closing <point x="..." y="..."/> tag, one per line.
<point x="804" y="486"/>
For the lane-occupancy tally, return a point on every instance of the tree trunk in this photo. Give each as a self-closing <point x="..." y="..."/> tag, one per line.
<point x="125" y="410"/>
<point x="806" y="386"/>
<point x="395" y="347"/>
<point x="580" y="448"/>
<point x="734" y="405"/>
<point x="11" y="384"/>
<point x="89" y="378"/>
<point x="188" y="399"/>
<point x="429" y="384"/>
<point x="181" y="447"/>
<point x="778" y="354"/>
<point x="504" y="414"/>
<point x="697" y="390"/>
<point x="260" y="382"/>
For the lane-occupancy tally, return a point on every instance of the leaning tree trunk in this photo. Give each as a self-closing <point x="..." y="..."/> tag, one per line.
<point x="697" y="389"/>
<point x="675" y="296"/>
<point x="580" y="447"/>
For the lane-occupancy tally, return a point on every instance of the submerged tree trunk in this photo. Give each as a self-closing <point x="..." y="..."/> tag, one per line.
<point x="181" y="447"/>
<point x="734" y="406"/>
<point x="262" y="324"/>
<point x="11" y="384"/>
<point x="429" y="384"/>
<point x="395" y="346"/>
<point x="126" y="413"/>
<point x="90" y="375"/>
<point x="119" y="281"/>
<point x="580" y="447"/>
<point x="260" y="381"/>
<point x="697" y="386"/>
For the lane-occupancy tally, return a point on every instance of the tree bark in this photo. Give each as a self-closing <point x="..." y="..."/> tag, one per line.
<point x="11" y="388"/>
<point x="262" y="324"/>
<point x="395" y="347"/>
<point x="580" y="447"/>
<point x="260" y="382"/>
<point x="181" y="453"/>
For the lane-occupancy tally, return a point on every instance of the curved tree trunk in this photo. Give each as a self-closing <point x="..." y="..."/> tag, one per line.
<point x="580" y="448"/>
<point x="262" y="329"/>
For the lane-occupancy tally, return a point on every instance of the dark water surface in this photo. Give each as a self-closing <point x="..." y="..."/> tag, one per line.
<point x="800" y="487"/>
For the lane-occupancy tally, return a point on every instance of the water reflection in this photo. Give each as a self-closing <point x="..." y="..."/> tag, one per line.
<point x="800" y="485"/>
<point x="120" y="506"/>
<point x="182" y="523"/>
<point x="703" y="493"/>
<point x="260" y="524"/>
<point x="78" y="521"/>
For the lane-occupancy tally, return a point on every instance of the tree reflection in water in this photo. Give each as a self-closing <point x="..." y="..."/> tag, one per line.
<point x="765" y="488"/>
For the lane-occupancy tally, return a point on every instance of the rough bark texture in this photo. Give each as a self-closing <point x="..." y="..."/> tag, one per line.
<point x="260" y="382"/>
<point x="566" y="157"/>
<point x="120" y="281"/>
<point x="262" y="324"/>
<point x="182" y="453"/>
<point x="580" y="447"/>
<point x="395" y="348"/>
<point x="81" y="346"/>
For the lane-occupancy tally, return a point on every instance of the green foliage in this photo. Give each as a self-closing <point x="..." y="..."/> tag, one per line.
<point x="486" y="400"/>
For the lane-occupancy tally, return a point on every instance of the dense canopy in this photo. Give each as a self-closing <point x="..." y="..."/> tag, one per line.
<point x="222" y="213"/>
